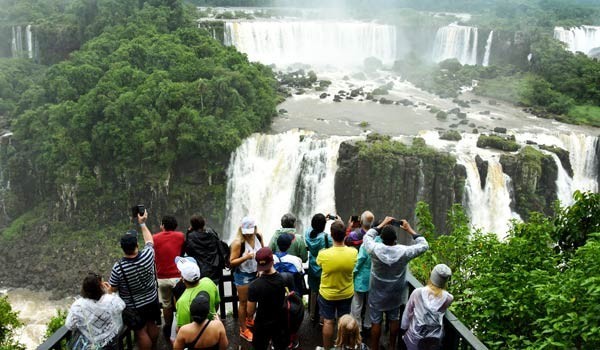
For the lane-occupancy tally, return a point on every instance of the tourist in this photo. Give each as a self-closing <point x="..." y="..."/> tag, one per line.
<point x="203" y="245"/>
<point x="289" y="265"/>
<point x="134" y="277"/>
<point x="96" y="315"/>
<point x="268" y="291"/>
<point x="337" y="287"/>
<point x="190" y="275"/>
<point x="423" y="317"/>
<point x="388" y="275"/>
<point x="348" y="335"/>
<point x="243" y="250"/>
<point x="354" y="237"/>
<point x="288" y="226"/>
<point x="167" y="245"/>
<point x="203" y="333"/>
<point x="316" y="240"/>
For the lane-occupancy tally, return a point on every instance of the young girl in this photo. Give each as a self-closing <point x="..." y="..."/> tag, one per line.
<point x="348" y="335"/>
<point x="243" y="250"/>
<point x="424" y="314"/>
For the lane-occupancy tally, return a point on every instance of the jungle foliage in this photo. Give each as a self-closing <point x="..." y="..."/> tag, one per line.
<point x="525" y="291"/>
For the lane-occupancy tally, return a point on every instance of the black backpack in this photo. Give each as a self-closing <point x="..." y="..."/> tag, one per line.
<point x="223" y="248"/>
<point x="293" y="311"/>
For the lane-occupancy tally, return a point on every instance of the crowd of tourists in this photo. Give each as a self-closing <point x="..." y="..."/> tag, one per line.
<point x="355" y="274"/>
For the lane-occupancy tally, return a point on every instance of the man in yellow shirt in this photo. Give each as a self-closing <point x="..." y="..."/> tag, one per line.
<point x="337" y="285"/>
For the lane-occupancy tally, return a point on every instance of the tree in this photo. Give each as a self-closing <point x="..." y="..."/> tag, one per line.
<point x="9" y="323"/>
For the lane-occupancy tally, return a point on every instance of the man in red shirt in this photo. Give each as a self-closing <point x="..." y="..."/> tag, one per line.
<point x="167" y="245"/>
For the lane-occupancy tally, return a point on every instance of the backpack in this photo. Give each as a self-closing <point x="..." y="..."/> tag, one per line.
<point x="292" y="311"/>
<point x="223" y="248"/>
<point x="283" y="266"/>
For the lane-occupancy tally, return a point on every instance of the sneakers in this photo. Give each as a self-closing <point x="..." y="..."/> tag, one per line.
<point x="247" y="334"/>
<point x="250" y="322"/>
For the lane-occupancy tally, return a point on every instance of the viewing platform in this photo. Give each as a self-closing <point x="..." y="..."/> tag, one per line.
<point x="457" y="335"/>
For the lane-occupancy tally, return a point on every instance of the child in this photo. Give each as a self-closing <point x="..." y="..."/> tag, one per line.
<point x="424" y="314"/>
<point x="348" y="335"/>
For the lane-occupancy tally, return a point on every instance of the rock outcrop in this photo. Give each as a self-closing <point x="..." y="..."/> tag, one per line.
<point x="533" y="175"/>
<point x="389" y="178"/>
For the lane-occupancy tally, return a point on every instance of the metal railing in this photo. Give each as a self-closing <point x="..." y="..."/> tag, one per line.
<point x="457" y="335"/>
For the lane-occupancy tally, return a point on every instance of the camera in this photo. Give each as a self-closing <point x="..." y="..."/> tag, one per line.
<point x="331" y="217"/>
<point x="397" y="223"/>
<point x="138" y="209"/>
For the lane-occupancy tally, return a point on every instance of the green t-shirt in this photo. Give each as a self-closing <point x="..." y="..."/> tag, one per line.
<point x="336" y="279"/>
<point x="184" y="302"/>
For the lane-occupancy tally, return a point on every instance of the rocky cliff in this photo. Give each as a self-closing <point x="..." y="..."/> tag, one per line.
<point x="389" y="178"/>
<point x="533" y="177"/>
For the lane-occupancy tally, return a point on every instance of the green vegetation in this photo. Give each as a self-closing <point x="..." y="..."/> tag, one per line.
<point x="507" y="144"/>
<point x="451" y="135"/>
<point x="585" y="114"/>
<point x="521" y="292"/>
<point x="9" y="323"/>
<point x="56" y="322"/>
<point x="135" y="113"/>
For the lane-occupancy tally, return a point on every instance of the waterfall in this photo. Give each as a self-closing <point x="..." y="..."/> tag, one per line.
<point x="312" y="42"/>
<point x="488" y="208"/>
<point x="583" y="39"/>
<point x="270" y="175"/>
<point x="29" y="41"/>
<point x="564" y="183"/>
<point x="454" y="41"/>
<point x="488" y="49"/>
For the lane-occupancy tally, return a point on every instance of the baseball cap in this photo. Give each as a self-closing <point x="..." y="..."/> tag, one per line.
<point x="200" y="307"/>
<point x="284" y="241"/>
<point x="129" y="240"/>
<point x="264" y="259"/>
<point x="188" y="267"/>
<point x="248" y="225"/>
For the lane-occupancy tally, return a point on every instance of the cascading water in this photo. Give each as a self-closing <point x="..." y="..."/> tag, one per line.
<point x="488" y="208"/>
<point x="29" y="41"/>
<point x="454" y="41"/>
<point x="22" y="48"/>
<point x="583" y="39"/>
<point x="488" y="50"/>
<point x="270" y="175"/>
<point x="312" y="42"/>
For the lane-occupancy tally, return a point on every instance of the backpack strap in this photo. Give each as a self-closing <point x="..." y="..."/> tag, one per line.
<point x="127" y="284"/>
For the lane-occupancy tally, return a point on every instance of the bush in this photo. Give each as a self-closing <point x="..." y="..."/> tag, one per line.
<point x="9" y="323"/>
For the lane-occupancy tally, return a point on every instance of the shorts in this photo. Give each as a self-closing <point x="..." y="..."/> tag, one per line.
<point x="150" y="312"/>
<point x="165" y="291"/>
<point x="329" y="309"/>
<point x="243" y="278"/>
<point x="391" y="315"/>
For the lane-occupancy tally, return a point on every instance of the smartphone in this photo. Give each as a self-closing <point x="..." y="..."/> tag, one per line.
<point x="397" y="223"/>
<point x="141" y="209"/>
<point x="354" y="218"/>
<point x="332" y="217"/>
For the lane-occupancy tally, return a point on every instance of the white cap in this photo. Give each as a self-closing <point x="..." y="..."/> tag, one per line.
<point x="188" y="267"/>
<point x="248" y="225"/>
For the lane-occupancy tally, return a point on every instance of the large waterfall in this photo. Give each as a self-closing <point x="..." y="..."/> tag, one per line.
<point x="312" y="42"/>
<point x="270" y="175"/>
<point x="583" y="39"/>
<point x="455" y="41"/>
<point x="488" y="50"/>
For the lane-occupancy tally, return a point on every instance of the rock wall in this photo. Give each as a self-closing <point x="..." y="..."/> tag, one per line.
<point x="389" y="178"/>
<point x="533" y="177"/>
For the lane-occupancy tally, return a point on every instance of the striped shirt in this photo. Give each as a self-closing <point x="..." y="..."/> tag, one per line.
<point x="140" y="276"/>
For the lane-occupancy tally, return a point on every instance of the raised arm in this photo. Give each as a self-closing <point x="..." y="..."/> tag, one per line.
<point x="145" y="231"/>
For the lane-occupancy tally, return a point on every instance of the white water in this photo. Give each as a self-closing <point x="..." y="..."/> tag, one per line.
<point x="270" y="175"/>
<point x="21" y="48"/>
<point x="583" y="39"/>
<point x="35" y="310"/>
<point x="582" y="155"/>
<point x="488" y="49"/>
<point x="455" y="41"/>
<point x="312" y="42"/>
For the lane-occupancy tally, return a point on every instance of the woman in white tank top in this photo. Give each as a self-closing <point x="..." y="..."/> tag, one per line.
<point x="243" y="265"/>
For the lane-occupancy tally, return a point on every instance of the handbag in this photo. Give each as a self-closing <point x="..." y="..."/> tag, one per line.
<point x="131" y="316"/>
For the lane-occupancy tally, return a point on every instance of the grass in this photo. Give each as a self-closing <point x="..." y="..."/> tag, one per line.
<point x="586" y="114"/>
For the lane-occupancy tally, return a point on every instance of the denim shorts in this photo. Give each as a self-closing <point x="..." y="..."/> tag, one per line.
<point x="241" y="278"/>
<point x="391" y="315"/>
<point x="330" y="309"/>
